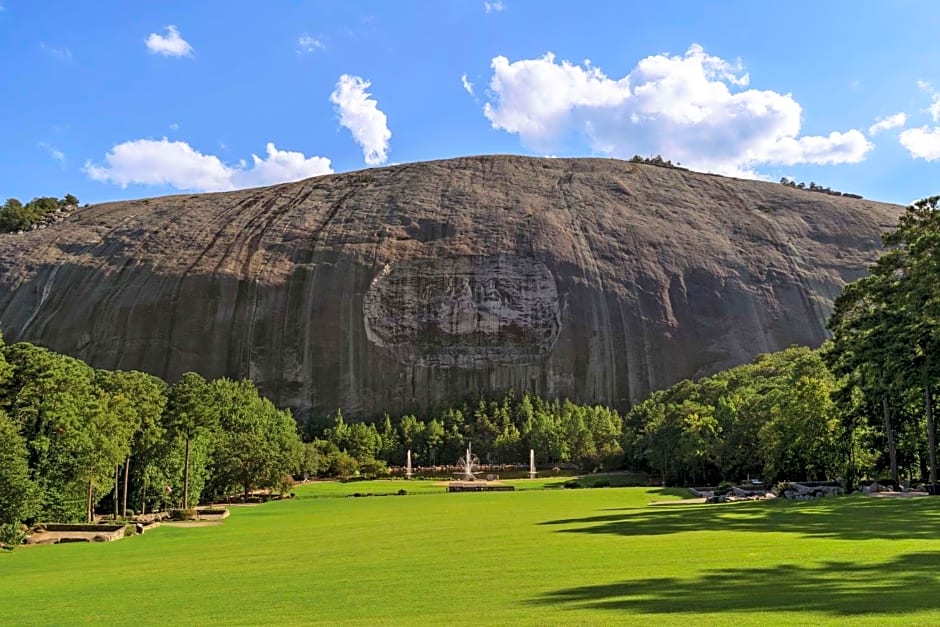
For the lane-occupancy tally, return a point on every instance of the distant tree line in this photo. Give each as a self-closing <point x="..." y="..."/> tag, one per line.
<point x="15" y="216"/>
<point x="813" y="187"/>
<point x="74" y="440"/>
<point x="657" y="161"/>
<point x="502" y="431"/>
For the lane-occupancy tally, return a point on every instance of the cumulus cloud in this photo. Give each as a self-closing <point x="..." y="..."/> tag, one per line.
<point x="924" y="142"/>
<point x="493" y="7"/>
<point x="887" y="123"/>
<point x="172" y="45"/>
<point x="467" y="85"/>
<point x="307" y="44"/>
<point x="360" y="113"/>
<point x="179" y="165"/>
<point x="693" y="108"/>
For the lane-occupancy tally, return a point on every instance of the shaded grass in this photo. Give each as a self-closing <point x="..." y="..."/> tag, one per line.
<point x="532" y="557"/>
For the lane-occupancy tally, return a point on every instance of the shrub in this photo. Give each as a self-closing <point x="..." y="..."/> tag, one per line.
<point x="572" y="484"/>
<point x="11" y="535"/>
<point x="724" y="488"/>
<point x="183" y="514"/>
<point x="601" y="483"/>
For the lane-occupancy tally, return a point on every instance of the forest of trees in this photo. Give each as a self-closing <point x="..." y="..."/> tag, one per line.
<point x="773" y="419"/>
<point x="502" y="432"/>
<point x="74" y="440"/>
<point x="886" y="337"/>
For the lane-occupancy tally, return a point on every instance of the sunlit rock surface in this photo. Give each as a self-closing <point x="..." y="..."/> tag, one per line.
<point x="401" y="287"/>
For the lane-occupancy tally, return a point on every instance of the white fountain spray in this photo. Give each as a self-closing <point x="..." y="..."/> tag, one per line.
<point x="408" y="473"/>
<point x="532" y="473"/>
<point x="469" y="462"/>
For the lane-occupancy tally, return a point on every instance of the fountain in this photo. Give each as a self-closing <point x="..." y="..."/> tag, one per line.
<point x="532" y="473"/>
<point x="469" y="464"/>
<point x="408" y="472"/>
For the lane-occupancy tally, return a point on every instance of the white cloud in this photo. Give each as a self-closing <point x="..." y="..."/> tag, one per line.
<point x="493" y="7"/>
<point x="361" y="115"/>
<point x="173" y="45"/>
<point x="887" y="123"/>
<point x="54" y="152"/>
<point x="174" y="126"/>
<point x="692" y="108"/>
<point x="467" y="85"/>
<point x="934" y="107"/>
<point x="280" y="166"/>
<point x="177" y="164"/>
<point x="306" y="44"/>
<point x="922" y="143"/>
<point x="60" y="53"/>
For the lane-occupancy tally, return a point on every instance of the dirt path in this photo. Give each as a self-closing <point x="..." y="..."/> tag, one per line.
<point x="897" y="495"/>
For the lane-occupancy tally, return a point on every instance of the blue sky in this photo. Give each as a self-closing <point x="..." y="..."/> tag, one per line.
<point x="110" y="100"/>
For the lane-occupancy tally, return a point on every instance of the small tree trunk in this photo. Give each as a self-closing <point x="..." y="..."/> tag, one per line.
<point x="186" y="477"/>
<point x="143" y="498"/>
<point x="90" y="507"/>
<point x="931" y="435"/>
<point x="889" y="434"/>
<point x="127" y="472"/>
<point x="117" y="476"/>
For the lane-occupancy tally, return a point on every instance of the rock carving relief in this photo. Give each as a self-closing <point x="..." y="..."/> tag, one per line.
<point x="464" y="312"/>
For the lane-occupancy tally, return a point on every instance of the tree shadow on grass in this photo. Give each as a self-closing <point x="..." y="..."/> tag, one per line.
<point x="902" y="585"/>
<point x="851" y="518"/>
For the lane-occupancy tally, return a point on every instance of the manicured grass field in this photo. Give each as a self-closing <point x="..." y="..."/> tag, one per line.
<point x="545" y="557"/>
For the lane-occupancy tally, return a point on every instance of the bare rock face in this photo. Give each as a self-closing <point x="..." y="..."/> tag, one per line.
<point x="469" y="311"/>
<point x="401" y="287"/>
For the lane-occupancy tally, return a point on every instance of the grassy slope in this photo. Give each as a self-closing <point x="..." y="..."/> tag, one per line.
<point x="537" y="557"/>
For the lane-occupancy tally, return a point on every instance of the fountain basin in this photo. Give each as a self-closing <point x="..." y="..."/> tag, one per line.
<point x="478" y="486"/>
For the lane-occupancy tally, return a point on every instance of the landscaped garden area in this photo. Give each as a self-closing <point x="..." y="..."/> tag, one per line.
<point x="536" y="556"/>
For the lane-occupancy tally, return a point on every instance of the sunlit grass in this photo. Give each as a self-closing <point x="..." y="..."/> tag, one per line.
<point x="554" y="556"/>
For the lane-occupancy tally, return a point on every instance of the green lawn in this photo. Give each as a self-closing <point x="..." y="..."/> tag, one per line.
<point x="382" y="487"/>
<point x="547" y="557"/>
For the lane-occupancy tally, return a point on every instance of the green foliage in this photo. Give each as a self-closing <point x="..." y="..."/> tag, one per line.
<point x="772" y="417"/>
<point x="501" y="431"/>
<point x="17" y="493"/>
<point x="74" y="442"/>
<point x="190" y="413"/>
<point x="886" y="333"/>
<point x="813" y="187"/>
<point x="256" y="444"/>
<point x="15" y="216"/>
<point x="72" y="438"/>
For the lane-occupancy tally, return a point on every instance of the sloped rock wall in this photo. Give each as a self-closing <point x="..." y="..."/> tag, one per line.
<point x="402" y="287"/>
